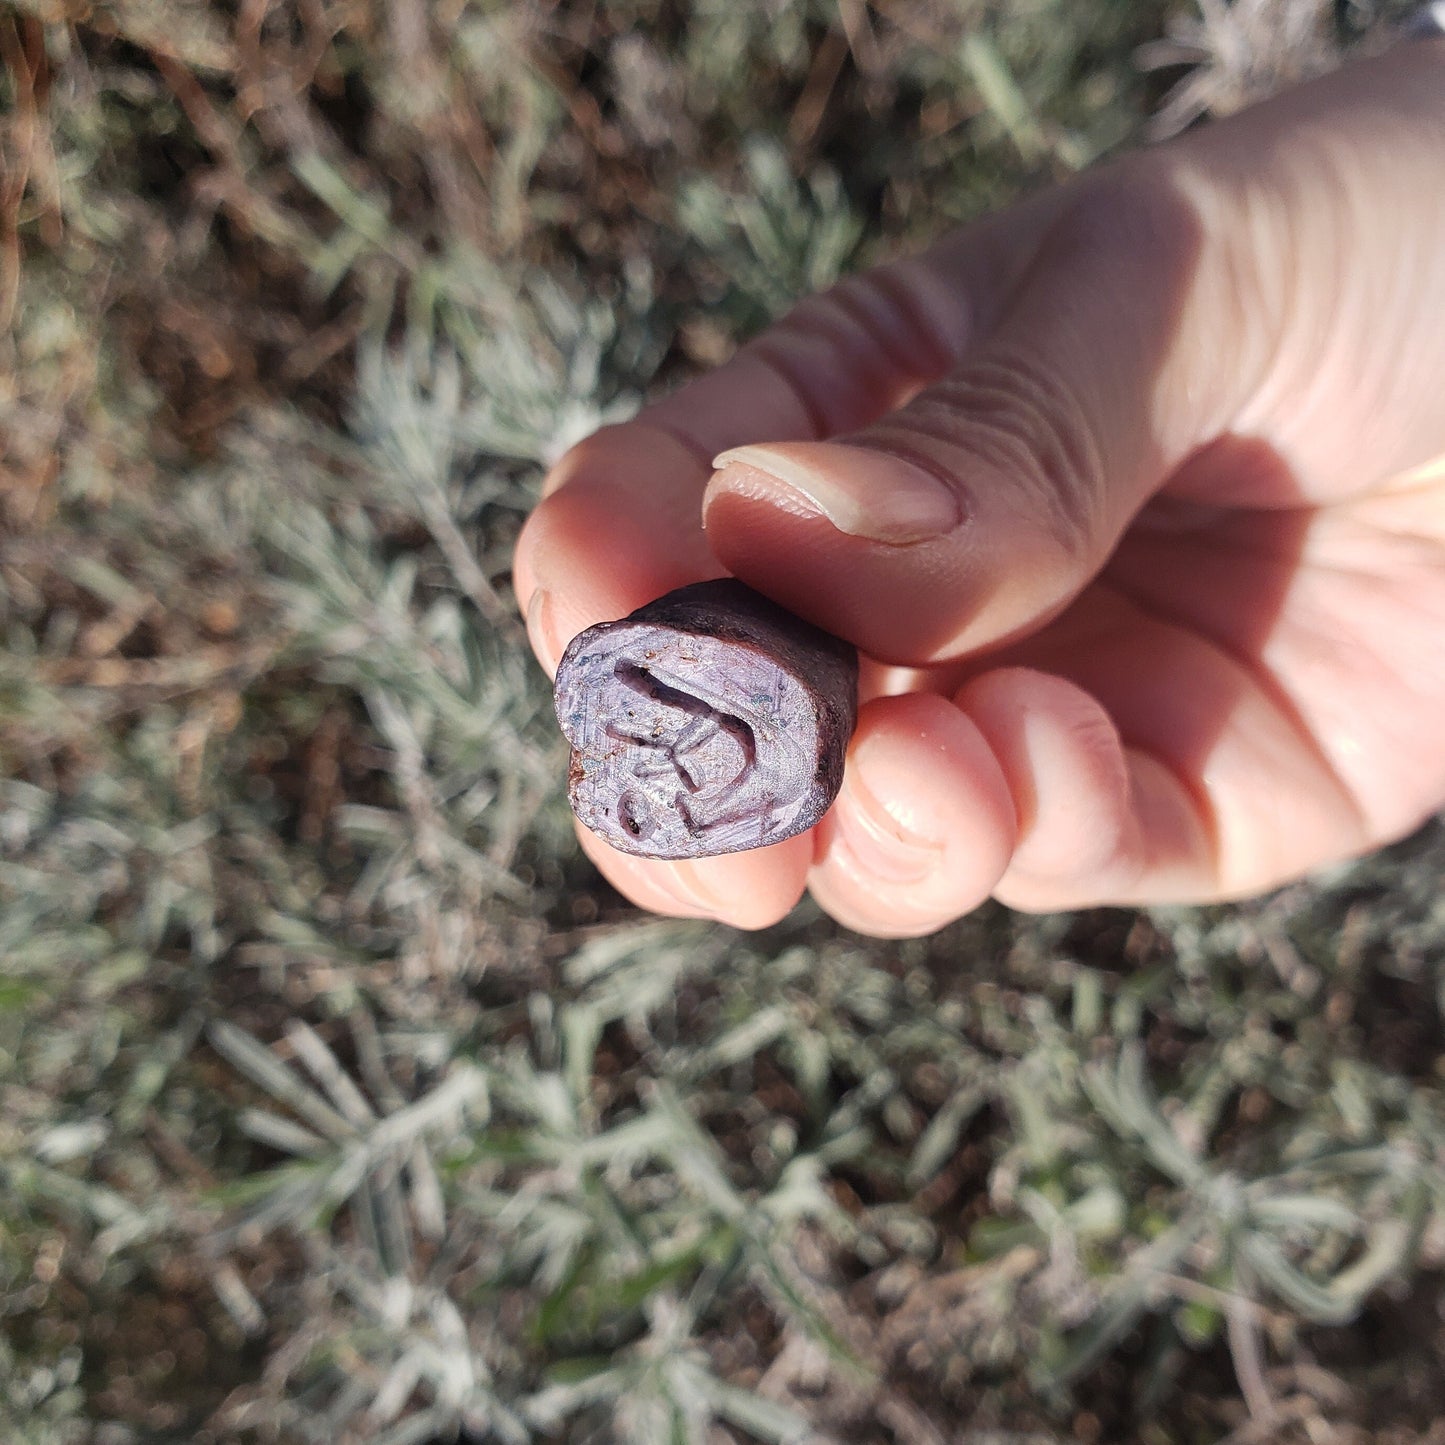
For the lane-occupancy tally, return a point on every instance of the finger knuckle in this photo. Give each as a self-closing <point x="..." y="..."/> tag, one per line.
<point x="858" y="348"/>
<point x="1139" y="206"/>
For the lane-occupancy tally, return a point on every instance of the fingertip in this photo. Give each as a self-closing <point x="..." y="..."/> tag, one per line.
<point x="617" y="525"/>
<point x="749" y="890"/>
<point x="923" y="827"/>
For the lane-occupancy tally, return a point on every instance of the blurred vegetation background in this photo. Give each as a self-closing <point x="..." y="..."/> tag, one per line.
<point x="339" y="1101"/>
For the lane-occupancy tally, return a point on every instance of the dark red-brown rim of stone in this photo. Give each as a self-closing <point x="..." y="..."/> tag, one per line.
<point x="709" y="721"/>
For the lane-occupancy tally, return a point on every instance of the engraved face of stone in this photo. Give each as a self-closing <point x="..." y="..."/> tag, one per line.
<point x="686" y="745"/>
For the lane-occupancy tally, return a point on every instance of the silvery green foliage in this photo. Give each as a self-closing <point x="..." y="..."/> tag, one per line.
<point x="506" y="1175"/>
<point x="41" y="1404"/>
<point x="775" y="239"/>
<point x="446" y="1153"/>
<point x="515" y="372"/>
<point x="628" y="1228"/>
<point x="1239" y="53"/>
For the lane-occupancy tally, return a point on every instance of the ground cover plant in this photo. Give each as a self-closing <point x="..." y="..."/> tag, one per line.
<point x="341" y="1102"/>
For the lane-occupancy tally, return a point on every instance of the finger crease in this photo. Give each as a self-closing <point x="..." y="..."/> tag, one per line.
<point x="819" y="425"/>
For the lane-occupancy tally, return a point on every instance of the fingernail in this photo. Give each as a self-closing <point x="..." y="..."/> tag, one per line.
<point x="883" y="845"/>
<point x="863" y="493"/>
<point x="541" y="631"/>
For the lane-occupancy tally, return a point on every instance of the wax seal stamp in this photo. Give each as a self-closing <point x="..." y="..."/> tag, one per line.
<point x="709" y="721"/>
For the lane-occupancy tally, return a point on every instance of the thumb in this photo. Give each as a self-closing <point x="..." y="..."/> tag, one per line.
<point x="1276" y="275"/>
<point x="982" y="506"/>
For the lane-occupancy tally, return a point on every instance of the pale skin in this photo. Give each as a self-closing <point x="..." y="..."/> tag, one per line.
<point x="1133" y="497"/>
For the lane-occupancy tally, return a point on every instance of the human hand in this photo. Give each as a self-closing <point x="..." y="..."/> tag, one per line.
<point x="1140" y="488"/>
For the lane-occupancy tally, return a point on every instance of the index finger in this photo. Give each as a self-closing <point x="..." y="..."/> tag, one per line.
<point x="620" y="521"/>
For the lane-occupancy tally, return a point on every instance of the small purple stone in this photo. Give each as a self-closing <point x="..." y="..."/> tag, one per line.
<point x="709" y="721"/>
